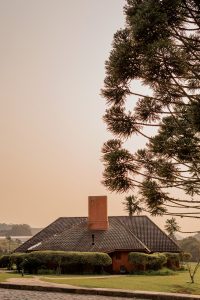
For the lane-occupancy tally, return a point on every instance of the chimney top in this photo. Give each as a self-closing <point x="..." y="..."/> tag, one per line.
<point x="97" y="213"/>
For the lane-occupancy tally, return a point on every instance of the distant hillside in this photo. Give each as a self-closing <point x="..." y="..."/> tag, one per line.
<point x="178" y="237"/>
<point x="17" y="230"/>
<point x="192" y="246"/>
<point x="197" y="236"/>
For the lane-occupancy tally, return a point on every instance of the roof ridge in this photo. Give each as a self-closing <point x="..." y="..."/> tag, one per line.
<point x="127" y="229"/>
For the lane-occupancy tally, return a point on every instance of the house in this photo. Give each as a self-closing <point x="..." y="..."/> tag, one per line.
<point x="115" y="235"/>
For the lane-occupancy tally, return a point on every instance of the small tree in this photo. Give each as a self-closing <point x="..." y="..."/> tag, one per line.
<point x="131" y="205"/>
<point x="193" y="271"/>
<point x="192" y="246"/>
<point x="171" y="226"/>
<point x="186" y="257"/>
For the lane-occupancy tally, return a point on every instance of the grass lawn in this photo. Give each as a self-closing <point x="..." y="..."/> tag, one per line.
<point x="178" y="283"/>
<point x="5" y="276"/>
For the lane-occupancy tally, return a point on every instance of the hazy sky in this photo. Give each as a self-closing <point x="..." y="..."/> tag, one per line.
<point x="52" y="55"/>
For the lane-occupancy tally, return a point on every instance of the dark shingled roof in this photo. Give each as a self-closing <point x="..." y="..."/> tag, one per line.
<point x="136" y="233"/>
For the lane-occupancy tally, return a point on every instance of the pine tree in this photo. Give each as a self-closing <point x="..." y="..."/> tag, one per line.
<point x="160" y="46"/>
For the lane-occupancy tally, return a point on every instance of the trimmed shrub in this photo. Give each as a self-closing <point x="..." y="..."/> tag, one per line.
<point x="143" y="261"/>
<point x="17" y="259"/>
<point x="5" y="261"/>
<point x="32" y="264"/>
<point x="156" y="261"/>
<point x="45" y="272"/>
<point x="59" y="261"/>
<point x="173" y="260"/>
<point x="138" y="259"/>
<point x="185" y="256"/>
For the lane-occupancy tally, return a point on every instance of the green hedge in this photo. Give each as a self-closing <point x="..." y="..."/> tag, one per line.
<point x="156" y="261"/>
<point x="137" y="258"/>
<point x="143" y="261"/>
<point x="59" y="261"/>
<point x="173" y="260"/>
<point x="5" y="261"/>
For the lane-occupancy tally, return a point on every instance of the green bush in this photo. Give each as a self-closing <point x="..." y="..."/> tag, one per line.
<point x="162" y="272"/>
<point x="192" y="246"/>
<point x="143" y="261"/>
<point x="31" y="265"/>
<point x="17" y="259"/>
<point x="185" y="256"/>
<point x="58" y="261"/>
<point x="173" y="260"/>
<point x="46" y="272"/>
<point x="156" y="261"/>
<point x="138" y="258"/>
<point x="5" y="261"/>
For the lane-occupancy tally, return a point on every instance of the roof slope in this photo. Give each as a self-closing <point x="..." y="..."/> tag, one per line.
<point x="52" y="229"/>
<point x="136" y="233"/>
<point x="150" y="234"/>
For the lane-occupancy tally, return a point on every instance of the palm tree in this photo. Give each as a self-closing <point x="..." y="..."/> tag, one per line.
<point x="131" y="205"/>
<point x="171" y="226"/>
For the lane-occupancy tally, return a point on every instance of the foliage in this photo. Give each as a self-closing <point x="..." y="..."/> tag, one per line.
<point x="5" y="261"/>
<point x="193" y="271"/>
<point x="138" y="258"/>
<point x="31" y="264"/>
<point x="197" y="236"/>
<point x="156" y="261"/>
<point x="147" y="261"/>
<point x="17" y="259"/>
<point x="132" y="205"/>
<point x="58" y="261"/>
<point x="185" y="256"/>
<point x="8" y="245"/>
<point x="159" y="47"/>
<point x="173" y="260"/>
<point x="192" y="246"/>
<point x="15" y="230"/>
<point x="171" y="226"/>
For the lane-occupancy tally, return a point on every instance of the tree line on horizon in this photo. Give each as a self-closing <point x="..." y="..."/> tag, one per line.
<point x="17" y="230"/>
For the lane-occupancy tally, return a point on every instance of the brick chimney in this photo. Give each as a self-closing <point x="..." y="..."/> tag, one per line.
<point x="97" y="213"/>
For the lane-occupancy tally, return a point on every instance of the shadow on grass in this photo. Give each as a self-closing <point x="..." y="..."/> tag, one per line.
<point x="189" y="288"/>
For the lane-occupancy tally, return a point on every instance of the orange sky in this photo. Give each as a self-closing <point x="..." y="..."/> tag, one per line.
<point x="52" y="55"/>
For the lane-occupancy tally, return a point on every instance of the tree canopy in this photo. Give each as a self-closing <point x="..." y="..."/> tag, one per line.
<point x="191" y="245"/>
<point x="15" y="230"/>
<point x="160" y="47"/>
